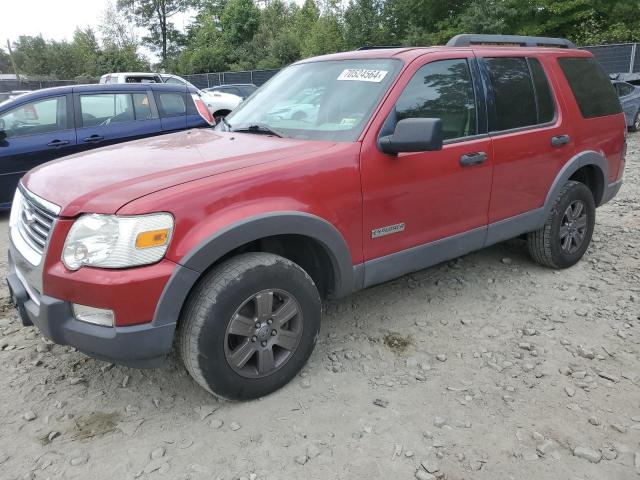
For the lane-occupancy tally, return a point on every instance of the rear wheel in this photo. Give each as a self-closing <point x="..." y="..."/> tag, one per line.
<point x="566" y="235"/>
<point x="249" y="326"/>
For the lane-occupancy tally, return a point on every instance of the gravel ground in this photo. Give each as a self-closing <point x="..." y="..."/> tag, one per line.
<point x="487" y="367"/>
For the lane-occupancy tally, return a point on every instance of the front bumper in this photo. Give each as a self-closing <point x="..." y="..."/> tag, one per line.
<point x="141" y="346"/>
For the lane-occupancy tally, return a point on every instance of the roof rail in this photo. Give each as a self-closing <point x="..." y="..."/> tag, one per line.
<point x="465" y="40"/>
<point x="376" y="47"/>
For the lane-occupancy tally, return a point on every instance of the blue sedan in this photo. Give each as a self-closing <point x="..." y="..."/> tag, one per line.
<point x="51" y="123"/>
<point x="630" y="101"/>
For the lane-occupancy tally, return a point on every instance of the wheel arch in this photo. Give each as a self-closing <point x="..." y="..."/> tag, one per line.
<point x="221" y="111"/>
<point x="588" y="167"/>
<point x="316" y="240"/>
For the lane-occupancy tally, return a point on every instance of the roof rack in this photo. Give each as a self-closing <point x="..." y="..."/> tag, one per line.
<point x="465" y="40"/>
<point x="376" y="47"/>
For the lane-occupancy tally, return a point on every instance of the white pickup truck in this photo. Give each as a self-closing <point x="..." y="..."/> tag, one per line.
<point x="219" y="104"/>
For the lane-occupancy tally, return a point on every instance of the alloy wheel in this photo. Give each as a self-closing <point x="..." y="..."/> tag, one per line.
<point x="263" y="333"/>
<point x="573" y="227"/>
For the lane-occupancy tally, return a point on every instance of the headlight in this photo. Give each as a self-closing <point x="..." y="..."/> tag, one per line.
<point x="16" y="208"/>
<point x="110" y="241"/>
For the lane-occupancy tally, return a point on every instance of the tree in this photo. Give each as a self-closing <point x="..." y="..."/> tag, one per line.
<point x="5" y="62"/>
<point x="116" y="30"/>
<point x="363" y="23"/>
<point x="154" y="16"/>
<point x="239" y="21"/>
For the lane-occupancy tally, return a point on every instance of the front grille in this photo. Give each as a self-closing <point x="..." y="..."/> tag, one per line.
<point x="35" y="224"/>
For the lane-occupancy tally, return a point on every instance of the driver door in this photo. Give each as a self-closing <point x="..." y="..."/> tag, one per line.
<point x="105" y="118"/>
<point x="35" y="132"/>
<point x="422" y="208"/>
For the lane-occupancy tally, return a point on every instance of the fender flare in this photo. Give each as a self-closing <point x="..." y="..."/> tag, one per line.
<point x="582" y="159"/>
<point x="205" y="254"/>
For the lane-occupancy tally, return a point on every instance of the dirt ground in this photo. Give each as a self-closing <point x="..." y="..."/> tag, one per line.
<point x="486" y="367"/>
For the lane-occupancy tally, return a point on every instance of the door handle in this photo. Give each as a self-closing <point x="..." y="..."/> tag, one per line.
<point x="470" y="159"/>
<point x="560" y="140"/>
<point x="58" y="143"/>
<point x="93" y="139"/>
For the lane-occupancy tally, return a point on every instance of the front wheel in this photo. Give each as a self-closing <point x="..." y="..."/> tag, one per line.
<point x="249" y="326"/>
<point x="566" y="235"/>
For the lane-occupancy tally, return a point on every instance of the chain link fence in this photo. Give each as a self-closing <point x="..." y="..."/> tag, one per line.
<point x="206" y="80"/>
<point x="11" y="85"/>
<point x="619" y="58"/>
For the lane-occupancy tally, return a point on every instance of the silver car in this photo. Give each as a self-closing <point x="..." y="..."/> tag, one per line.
<point x="630" y="100"/>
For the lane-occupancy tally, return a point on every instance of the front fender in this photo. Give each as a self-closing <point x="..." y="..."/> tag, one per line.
<point x="225" y="240"/>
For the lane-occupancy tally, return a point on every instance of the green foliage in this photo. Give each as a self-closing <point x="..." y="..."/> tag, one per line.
<point x="155" y="17"/>
<point x="247" y="34"/>
<point x="81" y="58"/>
<point x="5" y="62"/>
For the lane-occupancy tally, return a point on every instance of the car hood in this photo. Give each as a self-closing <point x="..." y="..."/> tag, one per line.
<point x="103" y="180"/>
<point x="221" y="97"/>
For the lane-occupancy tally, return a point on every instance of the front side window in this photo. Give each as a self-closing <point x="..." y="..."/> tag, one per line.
<point x="442" y="89"/>
<point x="326" y="100"/>
<point x="106" y="108"/>
<point x="42" y="116"/>
<point x="591" y="87"/>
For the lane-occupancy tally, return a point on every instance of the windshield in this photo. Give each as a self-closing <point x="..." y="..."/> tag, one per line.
<point x="330" y="100"/>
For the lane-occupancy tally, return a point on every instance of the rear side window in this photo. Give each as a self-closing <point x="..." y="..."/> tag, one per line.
<point x="591" y="87"/>
<point x="522" y="93"/>
<point x="442" y="89"/>
<point x="544" y="99"/>
<point x="171" y="104"/>
<point x="515" y="100"/>
<point x="106" y="109"/>
<point x="142" y="106"/>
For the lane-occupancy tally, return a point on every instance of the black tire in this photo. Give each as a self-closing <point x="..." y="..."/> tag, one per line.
<point x="547" y="245"/>
<point x="205" y="334"/>
<point x="635" y="126"/>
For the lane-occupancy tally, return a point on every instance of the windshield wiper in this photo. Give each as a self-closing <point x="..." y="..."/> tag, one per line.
<point x="261" y="128"/>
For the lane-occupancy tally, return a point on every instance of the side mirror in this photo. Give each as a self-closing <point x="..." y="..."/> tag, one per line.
<point x="414" y="135"/>
<point x="3" y="134"/>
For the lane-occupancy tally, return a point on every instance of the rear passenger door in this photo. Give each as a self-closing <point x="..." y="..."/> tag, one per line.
<point x="105" y="118"/>
<point x="531" y="140"/>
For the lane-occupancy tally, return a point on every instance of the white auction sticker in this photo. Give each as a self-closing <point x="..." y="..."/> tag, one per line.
<point x="362" y="75"/>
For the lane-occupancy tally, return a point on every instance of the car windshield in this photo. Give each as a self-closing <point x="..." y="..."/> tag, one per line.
<point x="327" y="100"/>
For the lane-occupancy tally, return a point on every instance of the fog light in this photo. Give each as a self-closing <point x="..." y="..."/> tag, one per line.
<point x="97" y="316"/>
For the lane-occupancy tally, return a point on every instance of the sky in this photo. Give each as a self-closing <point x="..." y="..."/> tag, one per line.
<point x="54" y="19"/>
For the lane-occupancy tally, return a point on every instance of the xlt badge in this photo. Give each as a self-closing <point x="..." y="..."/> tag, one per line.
<point x="388" y="230"/>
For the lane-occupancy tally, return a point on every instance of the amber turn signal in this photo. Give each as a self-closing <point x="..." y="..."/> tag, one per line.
<point x="154" y="238"/>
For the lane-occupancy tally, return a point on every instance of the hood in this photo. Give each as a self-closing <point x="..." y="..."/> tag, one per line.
<point x="103" y="180"/>
<point x="221" y="97"/>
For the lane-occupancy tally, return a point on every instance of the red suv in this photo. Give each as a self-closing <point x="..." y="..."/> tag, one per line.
<point x="344" y="171"/>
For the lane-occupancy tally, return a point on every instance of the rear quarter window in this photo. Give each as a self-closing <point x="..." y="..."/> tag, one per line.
<point x="171" y="104"/>
<point x="592" y="89"/>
